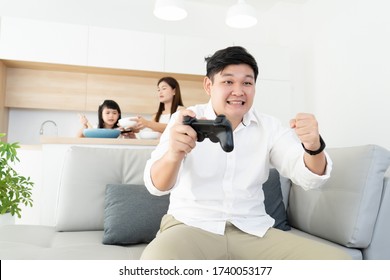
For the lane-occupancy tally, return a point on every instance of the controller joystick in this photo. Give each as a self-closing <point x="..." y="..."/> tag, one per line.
<point x="218" y="130"/>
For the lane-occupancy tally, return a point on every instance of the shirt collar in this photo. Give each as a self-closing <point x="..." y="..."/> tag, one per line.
<point x="250" y="117"/>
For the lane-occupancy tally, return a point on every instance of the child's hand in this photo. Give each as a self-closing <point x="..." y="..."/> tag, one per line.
<point x="83" y="120"/>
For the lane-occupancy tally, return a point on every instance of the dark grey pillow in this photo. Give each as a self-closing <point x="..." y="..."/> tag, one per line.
<point x="273" y="201"/>
<point x="131" y="214"/>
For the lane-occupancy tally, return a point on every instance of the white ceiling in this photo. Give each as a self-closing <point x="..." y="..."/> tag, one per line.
<point x="260" y="5"/>
<point x="206" y="18"/>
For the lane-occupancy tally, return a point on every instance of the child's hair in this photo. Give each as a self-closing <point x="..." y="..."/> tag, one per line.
<point x="177" y="100"/>
<point x="110" y="104"/>
<point x="225" y="57"/>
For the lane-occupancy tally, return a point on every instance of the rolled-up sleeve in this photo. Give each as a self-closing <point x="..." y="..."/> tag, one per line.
<point x="158" y="152"/>
<point x="309" y="180"/>
<point x="287" y="155"/>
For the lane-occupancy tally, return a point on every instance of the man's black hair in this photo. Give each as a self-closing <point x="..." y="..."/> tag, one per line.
<point x="225" y="57"/>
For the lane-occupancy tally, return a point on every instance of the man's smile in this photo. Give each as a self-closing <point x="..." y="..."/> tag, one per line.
<point x="236" y="102"/>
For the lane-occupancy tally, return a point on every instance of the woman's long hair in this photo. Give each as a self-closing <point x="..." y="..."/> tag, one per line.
<point x="176" y="102"/>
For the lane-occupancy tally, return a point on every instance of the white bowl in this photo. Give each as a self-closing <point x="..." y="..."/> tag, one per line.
<point x="149" y="134"/>
<point x="128" y="122"/>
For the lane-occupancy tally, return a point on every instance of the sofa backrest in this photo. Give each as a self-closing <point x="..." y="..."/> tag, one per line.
<point x="86" y="172"/>
<point x="345" y="209"/>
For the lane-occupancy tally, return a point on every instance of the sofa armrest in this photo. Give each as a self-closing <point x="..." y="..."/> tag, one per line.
<point x="345" y="209"/>
<point x="379" y="249"/>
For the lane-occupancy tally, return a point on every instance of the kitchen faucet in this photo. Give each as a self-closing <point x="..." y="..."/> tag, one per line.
<point x="45" y="122"/>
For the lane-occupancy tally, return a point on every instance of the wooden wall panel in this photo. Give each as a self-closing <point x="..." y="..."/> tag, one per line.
<point x="137" y="95"/>
<point x="192" y="92"/>
<point x="133" y="94"/>
<point x="42" y="89"/>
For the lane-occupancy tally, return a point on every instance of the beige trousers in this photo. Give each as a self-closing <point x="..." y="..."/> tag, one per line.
<point x="176" y="240"/>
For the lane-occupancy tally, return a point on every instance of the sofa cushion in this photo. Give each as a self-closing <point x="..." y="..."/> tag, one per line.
<point x="344" y="210"/>
<point x="273" y="200"/>
<point x="132" y="215"/>
<point x="85" y="174"/>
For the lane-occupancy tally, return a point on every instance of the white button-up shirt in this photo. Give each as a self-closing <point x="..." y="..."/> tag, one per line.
<point x="214" y="187"/>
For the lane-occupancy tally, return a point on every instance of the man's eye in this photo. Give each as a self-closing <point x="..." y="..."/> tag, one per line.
<point x="247" y="83"/>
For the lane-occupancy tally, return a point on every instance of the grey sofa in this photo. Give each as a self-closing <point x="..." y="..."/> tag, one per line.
<point x="351" y="211"/>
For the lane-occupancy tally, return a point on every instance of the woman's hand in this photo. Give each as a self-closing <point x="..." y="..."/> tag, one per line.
<point x="142" y="123"/>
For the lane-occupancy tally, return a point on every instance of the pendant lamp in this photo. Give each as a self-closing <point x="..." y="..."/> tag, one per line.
<point x="241" y="15"/>
<point x="172" y="10"/>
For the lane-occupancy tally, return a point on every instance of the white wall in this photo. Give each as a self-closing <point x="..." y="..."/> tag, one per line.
<point x="348" y="69"/>
<point x="25" y="124"/>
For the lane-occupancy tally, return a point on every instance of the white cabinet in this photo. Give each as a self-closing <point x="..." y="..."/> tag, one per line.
<point x="41" y="41"/>
<point x="53" y="42"/>
<point x="187" y="54"/>
<point x="125" y="49"/>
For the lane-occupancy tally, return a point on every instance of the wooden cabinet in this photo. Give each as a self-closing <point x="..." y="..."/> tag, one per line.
<point x="45" y="89"/>
<point x="59" y="87"/>
<point x="3" y="109"/>
<point x="40" y="41"/>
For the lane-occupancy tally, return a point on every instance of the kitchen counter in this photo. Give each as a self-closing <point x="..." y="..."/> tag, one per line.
<point x="98" y="141"/>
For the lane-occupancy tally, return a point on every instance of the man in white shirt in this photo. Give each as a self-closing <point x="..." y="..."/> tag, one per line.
<point x="216" y="206"/>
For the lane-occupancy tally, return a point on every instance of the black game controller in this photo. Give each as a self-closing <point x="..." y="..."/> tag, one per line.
<point x="218" y="130"/>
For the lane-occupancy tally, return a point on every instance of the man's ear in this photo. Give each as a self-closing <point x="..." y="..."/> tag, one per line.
<point x="207" y="83"/>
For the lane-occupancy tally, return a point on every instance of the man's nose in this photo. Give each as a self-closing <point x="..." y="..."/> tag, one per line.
<point x="238" y="90"/>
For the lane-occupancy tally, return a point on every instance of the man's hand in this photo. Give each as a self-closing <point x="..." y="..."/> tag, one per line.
<point x="182" y="140"/>
<point x="183" y="137"/>
<point x="306" y="127"/>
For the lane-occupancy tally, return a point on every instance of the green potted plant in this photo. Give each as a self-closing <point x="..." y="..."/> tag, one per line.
<point x="15" y="190"/>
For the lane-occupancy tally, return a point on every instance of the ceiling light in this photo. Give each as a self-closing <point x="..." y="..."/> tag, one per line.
<point x="241" y="15"/>
<point x="169" y="10"/>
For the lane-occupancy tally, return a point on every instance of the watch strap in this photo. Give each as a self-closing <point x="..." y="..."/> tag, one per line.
<point x="313" y="153"/>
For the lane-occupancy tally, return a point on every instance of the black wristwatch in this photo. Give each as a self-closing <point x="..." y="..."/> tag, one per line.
<point x="313" y="153"/>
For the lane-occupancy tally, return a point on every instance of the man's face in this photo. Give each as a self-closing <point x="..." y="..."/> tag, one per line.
<point x="232" y="92"/>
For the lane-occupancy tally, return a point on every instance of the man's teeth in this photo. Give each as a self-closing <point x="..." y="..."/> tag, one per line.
<point x="236" y="102"/>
